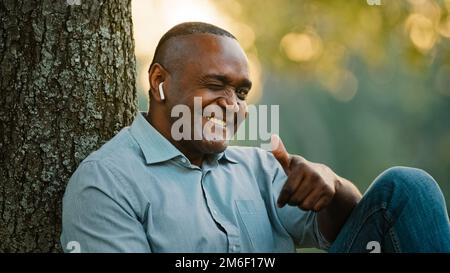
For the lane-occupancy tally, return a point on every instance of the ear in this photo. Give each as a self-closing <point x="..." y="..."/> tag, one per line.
<point x="156" y="75"/>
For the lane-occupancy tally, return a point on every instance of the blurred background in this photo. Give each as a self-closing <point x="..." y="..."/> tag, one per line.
<point x="361" y="87"/>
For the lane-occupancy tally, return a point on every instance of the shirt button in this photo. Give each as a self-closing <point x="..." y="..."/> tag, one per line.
<point x="183" y="160"/>
<point x="233" y="248"/>
<point x="214" y="212"/>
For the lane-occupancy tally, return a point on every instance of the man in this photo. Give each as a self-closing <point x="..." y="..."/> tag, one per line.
<point x="144" y="191"/>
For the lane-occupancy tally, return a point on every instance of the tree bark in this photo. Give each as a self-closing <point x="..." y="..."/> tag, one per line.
<point x="67" y="86"/>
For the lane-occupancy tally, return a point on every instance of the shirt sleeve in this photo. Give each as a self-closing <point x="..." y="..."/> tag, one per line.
<point x="301" y="225"/>
<point x="98" y="213"/>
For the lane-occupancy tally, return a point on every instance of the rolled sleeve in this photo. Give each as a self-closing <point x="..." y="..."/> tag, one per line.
<point x="301" y="225"/>
<point x="321" y="241"/>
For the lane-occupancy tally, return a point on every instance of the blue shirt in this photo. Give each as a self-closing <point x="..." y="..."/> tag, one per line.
<point x="138" y="193"/>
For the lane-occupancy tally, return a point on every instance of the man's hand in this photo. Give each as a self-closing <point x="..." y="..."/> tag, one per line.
<point x="314" y="186"/>
<point x="310" y="186"/>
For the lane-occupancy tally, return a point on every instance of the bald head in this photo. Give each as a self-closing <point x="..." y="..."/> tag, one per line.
<point x="169" y="50"/>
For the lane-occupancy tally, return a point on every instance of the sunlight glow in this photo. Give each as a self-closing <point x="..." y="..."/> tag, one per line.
<point x="421" y="31"/>
<point x="301" y="47"/>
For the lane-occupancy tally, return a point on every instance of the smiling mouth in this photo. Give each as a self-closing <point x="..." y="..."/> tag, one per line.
<point x="217" y="122"/>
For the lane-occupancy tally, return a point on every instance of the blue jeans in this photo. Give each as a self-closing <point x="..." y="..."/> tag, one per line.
<point x="402" y="211"/>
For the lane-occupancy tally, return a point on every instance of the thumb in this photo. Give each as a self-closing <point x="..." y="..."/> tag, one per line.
<point x="279" y="151"/>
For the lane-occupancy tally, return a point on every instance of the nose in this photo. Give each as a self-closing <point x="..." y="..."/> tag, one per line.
<point x="229" y="101"/>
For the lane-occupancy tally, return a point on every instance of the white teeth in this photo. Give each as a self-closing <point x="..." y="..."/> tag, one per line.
<point x="217" y="121"/>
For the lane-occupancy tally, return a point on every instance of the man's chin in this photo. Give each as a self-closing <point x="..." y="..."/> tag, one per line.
<point x="213" y="146"/>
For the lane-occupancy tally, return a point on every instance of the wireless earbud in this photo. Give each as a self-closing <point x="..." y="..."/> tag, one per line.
<point x="161" y="91"/>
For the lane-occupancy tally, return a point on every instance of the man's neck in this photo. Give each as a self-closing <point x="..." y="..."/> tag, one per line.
<point x="194" y="157"/>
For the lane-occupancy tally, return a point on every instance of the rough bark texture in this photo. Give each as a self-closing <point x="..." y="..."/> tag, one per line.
<point x="67" y="86"/>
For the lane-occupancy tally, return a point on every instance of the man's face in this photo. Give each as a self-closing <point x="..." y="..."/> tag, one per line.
<point x="215" y="69"/>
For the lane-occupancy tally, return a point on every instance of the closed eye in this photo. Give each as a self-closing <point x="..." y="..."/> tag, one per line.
<point x="215" y="87"/>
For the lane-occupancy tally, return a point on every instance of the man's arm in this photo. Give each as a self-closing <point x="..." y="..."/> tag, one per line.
<point x="314" y="186"/>
<point x="333" y="217"/>
<point x="98" y="215"/>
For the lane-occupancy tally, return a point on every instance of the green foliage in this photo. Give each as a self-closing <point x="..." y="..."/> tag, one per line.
<point x="360" y="87"/>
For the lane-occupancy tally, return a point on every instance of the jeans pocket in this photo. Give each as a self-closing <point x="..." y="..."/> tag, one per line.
<point x="256" y="224"/>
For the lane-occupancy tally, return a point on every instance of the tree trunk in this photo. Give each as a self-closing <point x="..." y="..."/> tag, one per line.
<point x="68" y="85"/>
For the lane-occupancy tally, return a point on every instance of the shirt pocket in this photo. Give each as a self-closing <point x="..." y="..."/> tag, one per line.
<point x="256" y="224"/>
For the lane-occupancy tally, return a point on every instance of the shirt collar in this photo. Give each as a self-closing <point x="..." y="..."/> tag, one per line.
<point x="155" y="147"/>
<point x="225" y="156"/>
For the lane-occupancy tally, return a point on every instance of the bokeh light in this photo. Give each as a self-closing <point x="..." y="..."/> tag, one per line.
<point x="421" y="31"/>
<point x="301" y="47"/>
